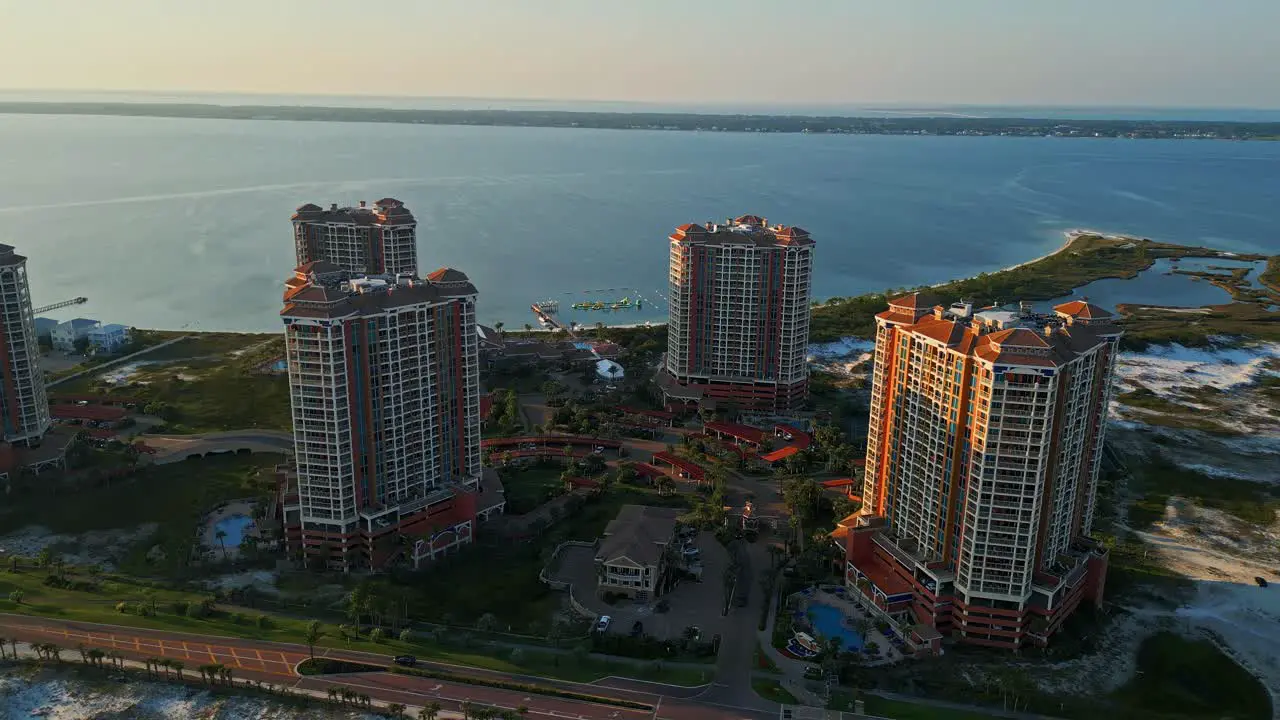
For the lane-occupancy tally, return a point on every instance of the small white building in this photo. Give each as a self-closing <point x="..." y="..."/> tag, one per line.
<point x="109" y="338"/>
<point x="65" y="334"/>
<point x="609" y="371"/>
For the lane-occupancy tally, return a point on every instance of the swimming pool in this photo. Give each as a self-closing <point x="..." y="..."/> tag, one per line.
<point x="234" y="526"/>
<point x="828" y="621"/>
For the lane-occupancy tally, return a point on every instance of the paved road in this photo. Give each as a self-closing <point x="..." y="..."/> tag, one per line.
<point x="275" y="662"/>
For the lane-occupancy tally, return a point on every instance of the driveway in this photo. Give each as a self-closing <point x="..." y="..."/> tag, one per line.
<point x="690" y="603"/>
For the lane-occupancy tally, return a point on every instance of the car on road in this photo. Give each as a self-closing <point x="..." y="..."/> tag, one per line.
<point x="637" y="629"/>
<point x="1262" y="582"/>
<point x="405" y="660"/>
<point x="603" y="623"/>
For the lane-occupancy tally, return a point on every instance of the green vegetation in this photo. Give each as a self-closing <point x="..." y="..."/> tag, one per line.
<point x="1270" y="276"/>
<point x="528" y="487"/>
<point x="1145" y="326"/>
<point x="1155" y="409"/>
<point x="174" y="496"/>
<point x="773" y="690"/>
<point x="1159" y="479"/>
<point x="90" y="597"/>
<point x="900" y="709"/>
<point x="211" y="382"/>
<point x="462" y="588"/>
<point x="1088" y="258"/>
<point x="1181" y="678"/>
<point x="202" y="344"/>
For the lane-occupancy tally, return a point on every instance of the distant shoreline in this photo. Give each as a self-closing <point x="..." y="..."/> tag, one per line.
<point x="942" y="125"/>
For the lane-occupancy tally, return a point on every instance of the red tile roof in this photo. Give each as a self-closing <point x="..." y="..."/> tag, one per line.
<point x="648" y="470"/>
<point x="660" y="414"/>
<point x="1082" y="309"/>
<point x="693" y="470"/>
<point x="746" y="433"/>
<point x="780" y="454"/>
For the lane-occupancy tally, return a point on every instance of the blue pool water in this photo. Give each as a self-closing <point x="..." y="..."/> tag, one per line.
<point x="829" y="622"/>
<point x="234" y="526"/>
<point x="280" y="366"/>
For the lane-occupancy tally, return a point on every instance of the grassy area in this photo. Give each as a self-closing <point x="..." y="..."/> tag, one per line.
<point x="203" y="387"/>
<point x="1155" y="409"/>
<point x="1181" y="678"/>
<point x="461" y="588"/>
<point x="99" y="606"/>
<point x="527" y="488"/>
<point x="1145" y="326"/>
<point x="1158" y="479"/>
<point x="1270" y="276"/>
<point x="900" y="709"/>
<point x="174" y="497"/>
<point x="201" y="344"/>
<point x="773" y="690"/>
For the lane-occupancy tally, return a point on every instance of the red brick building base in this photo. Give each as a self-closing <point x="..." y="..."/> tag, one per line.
<point x="932" y="613"/>
<point x="762" y="396"/>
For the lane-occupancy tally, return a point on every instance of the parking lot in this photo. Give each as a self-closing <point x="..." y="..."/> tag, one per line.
<point x="689" y="603"/>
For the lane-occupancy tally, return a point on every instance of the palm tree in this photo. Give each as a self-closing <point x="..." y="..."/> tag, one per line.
<point x="487" y="622"/>
<point x="222" y="540"/>
<point x="313" y="636"/>
<point x="54" y="651"/>
<point x="177" y="668"/>
<point x="528" y="328"/>
<point x="430" y="712"/>
<point x="396" y="709"/>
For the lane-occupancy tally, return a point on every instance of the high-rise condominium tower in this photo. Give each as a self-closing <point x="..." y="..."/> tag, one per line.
<point x="384" y="383"/>
<point x="738" y="326"/>
<point x="983" y="456"/>
<point x="23" y="403"/>
<point x="376" y="240"/>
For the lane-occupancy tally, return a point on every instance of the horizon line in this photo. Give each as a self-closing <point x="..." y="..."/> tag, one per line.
<point x="866" y="105"/>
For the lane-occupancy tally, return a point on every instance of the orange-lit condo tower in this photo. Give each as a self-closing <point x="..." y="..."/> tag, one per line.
<point x="738" y="324"/>
<point x="983" y="454"/>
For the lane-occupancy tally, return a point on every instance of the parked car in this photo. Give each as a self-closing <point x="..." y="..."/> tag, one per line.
<point x="405" y="660"/>
<point x="603" y="623"/>
<point x="1262" y="582"/>
<point x="637" y="629"/>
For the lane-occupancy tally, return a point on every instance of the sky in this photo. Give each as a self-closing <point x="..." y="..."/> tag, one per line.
<point x="1179" y="53"/>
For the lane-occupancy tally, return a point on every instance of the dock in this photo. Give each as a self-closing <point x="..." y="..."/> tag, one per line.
<point x="550" y="319"/>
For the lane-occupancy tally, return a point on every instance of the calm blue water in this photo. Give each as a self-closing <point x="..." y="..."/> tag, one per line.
<point x="829" y="622"/>
<point x="234" y="526"/>
<point x="185" y="223"/>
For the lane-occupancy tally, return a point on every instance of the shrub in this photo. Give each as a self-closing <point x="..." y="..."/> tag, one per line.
<point x="376" y="635"/>
<point x="122" y="606"/>
<point x="236" y="618"/>
<point x="179" y="607"/>
<point x="264" y="622"/>
<point x="406" y="635"/>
